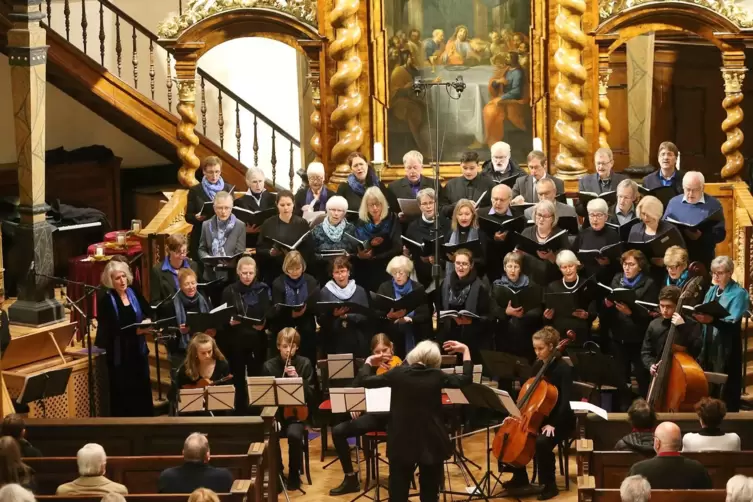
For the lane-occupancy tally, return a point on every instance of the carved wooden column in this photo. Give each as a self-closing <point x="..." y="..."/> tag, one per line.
<point x="186" y="56"/>
<point x="733" y="73"/>
<point x="604" y="73"/>
<point x="27" y="56"/>
<point x="344" y="84"/>
<point x="572" y="110"/>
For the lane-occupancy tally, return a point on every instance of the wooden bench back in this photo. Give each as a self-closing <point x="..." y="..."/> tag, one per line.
<point x="138" y="474"/>
<point x="602" y="495"/>
<point x="609" y="468"/>
<point x="147" y="436"/>
<point x="145" y="497"/>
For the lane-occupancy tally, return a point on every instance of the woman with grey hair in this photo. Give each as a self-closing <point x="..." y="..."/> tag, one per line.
<point x="636" y="489"/>
<point x="120" y="311"/>
<point x="739" y="489"/>
<point x="596" y="236"/>
<point x="211" y="184"/>
<point x="256" y="198"/>
<point x="404" y="328"/>
<point x="422" y="230"/>
<point x="329" y="235"/>
<point x="579" y="320"/>
<point x="541" y="266"/>
<point x="418" y="436"/>
<point x="722" y="351"/>
<point x="221" y="235"/>
<point x="314" y="196"/>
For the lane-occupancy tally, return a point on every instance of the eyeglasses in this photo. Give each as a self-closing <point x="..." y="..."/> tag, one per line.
<point x="717" y="273"/>
<point x="544" y="216"/>
<point x="603" y="164"/>
<point x="597" y="215"/>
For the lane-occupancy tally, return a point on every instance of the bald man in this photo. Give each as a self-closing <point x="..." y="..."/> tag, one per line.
<point x="195" y="471"/>
<point x="499" y="243"/>
<point x="501" y="166"/>
<point x="669" y="470"/>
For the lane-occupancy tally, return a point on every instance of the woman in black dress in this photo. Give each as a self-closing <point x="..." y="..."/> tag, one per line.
<point x="464" y="229"/>
<point x="597" y="236"/>
<point x="406" y="328"/>
<point x="329" y="238"/>
<point x="381" y="230"/>
<point x="421" y="230"/>
<point x="211" y="184"/>
<point x="542" y="268"/>
<point x="296" y="287"/>
<point x="163" y="282"/>
<point x="243" y="341"/>
<point x="127" y="352"/>
<point x="256" y="198"/>
<point x="344" y="332"/>
<point x="579" y="320"/>
<point x="203" y="360"/>
<point x="558" y="425"/>
<point x="285" y="228"/>
<point x="650" y="210"/>
<point x="359" y="180"/>
<point x="312" y="197"/>
<point x="187" y="299"/>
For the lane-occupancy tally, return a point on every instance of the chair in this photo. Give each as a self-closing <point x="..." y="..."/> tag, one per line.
<point x="372" y="457"/>
<point x="716" y="381"/>
<point x="326" y="405"/>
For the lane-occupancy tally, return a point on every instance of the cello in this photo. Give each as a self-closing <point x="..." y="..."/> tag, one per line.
<point x="679" y="382"/>
<point x="515" y="441"/>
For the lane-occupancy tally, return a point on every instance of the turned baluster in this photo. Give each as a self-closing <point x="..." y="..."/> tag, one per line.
<point x="49" y="13"/>
<point x="274" y="159"/>
<point x="291" y="171"/>
<point x="169" y="83"/>
<point x="102" y="33"/>
<point x="118" y="45"/>
<point x="203" y="106"/>
<point x="152" y="72"/>
<point x="67" y="14"/>
<point x="135" y="61"/>
<point x="221" y="121"/>
<point x="256" y="145"/>
<point x="84" y="22"/>
<point x="238" y="129"/>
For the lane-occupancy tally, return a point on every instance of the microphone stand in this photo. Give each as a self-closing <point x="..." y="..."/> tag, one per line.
<point x="422" y="87"/>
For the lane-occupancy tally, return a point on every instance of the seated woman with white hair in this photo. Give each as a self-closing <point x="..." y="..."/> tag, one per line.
<point x="577" y="321"/>
<point x="127" y="353"/>
<point x="256" y="198"/>
<point x="92" y="464"/>
<point x="314" y="196"/>
<point x="405" y="329"/>
<point x="739" y="488"/>
<point x="635" y="488"/>
<point x="418" y="436"/>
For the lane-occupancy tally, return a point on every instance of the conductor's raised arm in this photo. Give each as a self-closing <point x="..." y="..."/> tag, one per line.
<point x="457" y="381"/>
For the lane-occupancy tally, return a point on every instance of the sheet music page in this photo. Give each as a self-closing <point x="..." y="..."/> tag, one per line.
<point x="508" y="402"/>
<point x="584" y="406"/>
<point x="378" y="400"/>
<point x="217" y="309"/>
<point x="409" y="207"/>
<point x="456" y="396"/>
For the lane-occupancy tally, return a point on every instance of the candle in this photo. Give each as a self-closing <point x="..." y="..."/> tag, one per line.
<point x="378" y="153"/>
<point x="99" y="251"/>
<point x="121" y="238"/>
<point x="677" y="165"/>
<point x="135" y="226"/>
<point x="538" y="144"/>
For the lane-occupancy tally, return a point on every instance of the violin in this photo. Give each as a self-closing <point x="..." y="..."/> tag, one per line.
<point x="515" y="441"/>
<point x="205" y="382"/>
<point x="395" y="361"/>
<point x="679" y="382"/>
<point x="298" y="413"/>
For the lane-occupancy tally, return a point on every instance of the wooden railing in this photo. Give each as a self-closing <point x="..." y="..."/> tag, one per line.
<point x="123" y="41"/>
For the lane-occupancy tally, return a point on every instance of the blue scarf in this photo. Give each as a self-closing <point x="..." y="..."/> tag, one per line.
<point x="180" y="302"/>
<point x="521" y="283"/>
<point x="358" y="187"/>
<point x="368" y="230"/>
<point x="219" y="233"/>
<point x="334" y="232"/>
<point x="679" y="282"/>
<point x="296" y="291"/>
<point x="401" y="291"/>
<point x="624" y="281"/>
<point x="139" y="317"/>
<point x="415" y="188"/>
<point x="323" y="195"/>
<point x="252" y="294"/>
<point x="211" y="189"/>
<point x="166" y="267"/>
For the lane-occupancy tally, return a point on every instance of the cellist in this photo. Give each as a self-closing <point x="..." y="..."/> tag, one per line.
<point x="560" y="422"/>
<point x="290" y="364"/>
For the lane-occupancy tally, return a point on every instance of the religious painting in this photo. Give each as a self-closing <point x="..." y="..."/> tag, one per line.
<point x="486" y="42"/>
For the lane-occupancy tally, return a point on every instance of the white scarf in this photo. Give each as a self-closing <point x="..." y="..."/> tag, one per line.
<point x="342" y="294"/>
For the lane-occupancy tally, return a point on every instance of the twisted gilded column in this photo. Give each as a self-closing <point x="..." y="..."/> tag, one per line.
<point x="344" y="84"/>
<point x="567" y="94"/>
<point x="315" y="119"/>
<point x="185" y="131"/>
<point x="604" y="126"/>
<point x="733" y="73"/>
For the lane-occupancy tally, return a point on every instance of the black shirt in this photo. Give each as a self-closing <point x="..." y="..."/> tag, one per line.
<point x="673" y="472"/>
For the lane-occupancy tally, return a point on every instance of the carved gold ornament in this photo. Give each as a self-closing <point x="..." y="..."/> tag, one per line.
<point x="197" y="10"/>
<point x="733" y="79"/>
<point x="727" y="8"/>
<point x="186" y="89"/>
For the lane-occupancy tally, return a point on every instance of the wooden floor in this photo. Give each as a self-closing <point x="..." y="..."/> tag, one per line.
<point x="323" y="480"/>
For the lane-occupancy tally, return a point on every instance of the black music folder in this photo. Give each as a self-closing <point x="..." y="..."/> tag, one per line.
<point x="619" y="295"/>
<point x="664" y="194"/>
<point x="569" y="223"/>
<point x="473" y="246"/>
<point x="227" y="262"/>
<point x="561" y="197"/>
<point x="520" y="209"/>
<point x="510" y="180"/>
<point x="287" y="309"/>
<point x="418" y="249"/>
<point x="290" y="247"/>
<point x="409" y="302"/>
<point x="207" y="210"/>
<point x="353" y="308"/>
<point x="351" y="216"/>
<point x="253" y="217"/>
<point x="613" y="252"/>
<point x="648" y="306"/>
<point x="712" y="308"/>
<point x="361" y="245"/>
<point x="457" y="313"/>
<point x="506" y="366"/>
<point x="150" y="324"/>
<point x="532" y="247"/>
<point x="703" y="225"/>
<point x="609" y="197"/>
<point x="624" y="229"/>
<point x="214" y="319"/>
<point x="529" y="298"/>
<point x="492" y="225"/>
<point x="656" y="247"/>
<point x="571" y="300"/>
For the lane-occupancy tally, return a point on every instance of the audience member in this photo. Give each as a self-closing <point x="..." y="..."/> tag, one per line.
<point x="635" y="489"/>
<point x="15" y="427"/>
<point x="739" y="489"/>
<point x="195" y="471"/>
<point x="14" y="492"/>
<point x="113" y="497"/>
<point x="711" y="438"/>
<point x="12" y="469"/>
<point x="669" y="470"/>
<point x="92" y="464"/>
<point x="203" y="495"/>
<point x="641" y="438"/>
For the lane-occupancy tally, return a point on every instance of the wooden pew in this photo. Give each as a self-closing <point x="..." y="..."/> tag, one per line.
<point x="606" y="433"/>
<point x="141" y="474"/>
<point x="587" y="493"/>
<point x="234" y="496"/>
<point x="159" y="436"/>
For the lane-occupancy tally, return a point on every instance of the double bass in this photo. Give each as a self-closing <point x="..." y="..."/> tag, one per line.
<point x="679" y="382"/>
<point x="515" y="442"/>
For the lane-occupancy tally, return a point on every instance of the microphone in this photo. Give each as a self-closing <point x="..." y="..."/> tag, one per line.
<point x="417" y="85"/>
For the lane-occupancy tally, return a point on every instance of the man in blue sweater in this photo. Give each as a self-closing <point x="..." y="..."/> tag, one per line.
<point x="692" y="208"/>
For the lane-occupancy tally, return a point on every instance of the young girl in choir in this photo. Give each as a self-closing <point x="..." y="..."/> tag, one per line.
<point x="361" y="423"/>
<point x="558" y="425"/>
<point x="204" y="361"/>
<point x="288" y="363"/>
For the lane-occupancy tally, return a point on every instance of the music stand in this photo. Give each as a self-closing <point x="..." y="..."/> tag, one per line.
<point x="597" y="369"/>
<point x="191" y="400"/>
<point x="43" y="385"/>
<point x="220" y="398"/>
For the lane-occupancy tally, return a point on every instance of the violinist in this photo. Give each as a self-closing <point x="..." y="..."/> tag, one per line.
<point x="290" y="364"/>
<point x="204" y="363"/>
<point x="689" y="332"/>
<point x="381" y="347"/>
<point x="188" y="299"/>
<point x="558" y="425"/>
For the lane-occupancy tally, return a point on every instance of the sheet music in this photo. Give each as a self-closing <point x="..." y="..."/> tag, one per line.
<point x="261" y="391"/>
<point x="455" y="396"/>
<point x="290" y="391"/>
<point x="220" y="397"/>
<point x="409" y="207"/>
<point x="378" y="400"/>
<point x="347" y="399"/>
<point x="191" y="400"/>
<point x="508" y="402"/>
<point x="340" y="367"/>
<point x="584" y="406"/>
